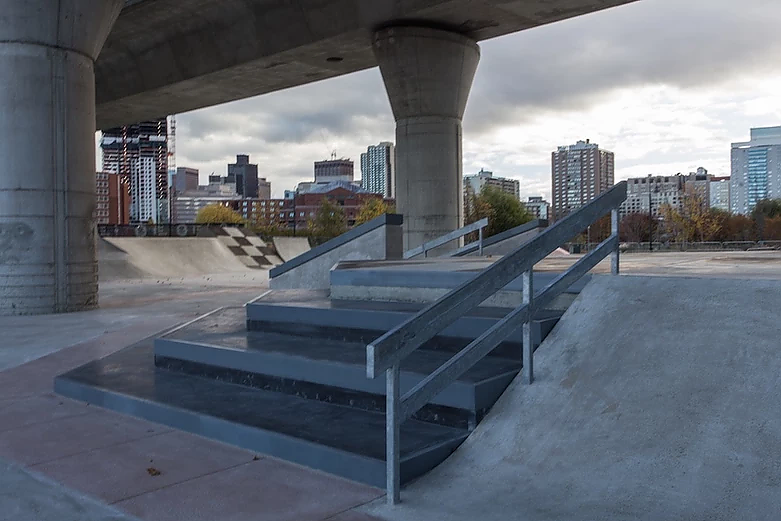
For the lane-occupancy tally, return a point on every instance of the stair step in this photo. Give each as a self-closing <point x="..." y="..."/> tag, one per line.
<point x="219" y="346"/>
<point x="314" y="314"/>
<point x="344" y="441"/>
<point x="426" y="281"/>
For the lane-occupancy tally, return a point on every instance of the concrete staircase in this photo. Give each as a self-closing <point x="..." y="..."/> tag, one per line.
<point x="286" y="375"/>
<point x="426" y="280"/>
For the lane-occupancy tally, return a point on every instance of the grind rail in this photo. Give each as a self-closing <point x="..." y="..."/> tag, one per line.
<point x="387" y="352"/>
<point x="424" y="248"/>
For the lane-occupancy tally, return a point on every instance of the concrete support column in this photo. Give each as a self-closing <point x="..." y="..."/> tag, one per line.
<point x="47" y="152"/>
<point x="428" y="74"/>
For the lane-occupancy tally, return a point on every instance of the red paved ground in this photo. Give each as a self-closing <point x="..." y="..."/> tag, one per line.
<point x="107" y="455"/>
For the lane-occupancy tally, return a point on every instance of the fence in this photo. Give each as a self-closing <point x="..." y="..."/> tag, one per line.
<point x="642" y="247"/>
<point x="161" y="230"/>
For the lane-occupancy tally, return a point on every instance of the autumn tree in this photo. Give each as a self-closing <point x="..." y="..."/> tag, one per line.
<point x="373" y="208"/>
<point x="329" y="221"/>
<point x="767" y="208"/>
<point x="771" y="230"/>
<point x="218" y="214"/>
<point x="740" y="228"/>
<point x="638" y="227"/>
<point x="503" y="210"/>
<point x="693" y="221"/>
<point x="268" y="228"/>
<point x="722" y="220"/>
<point x="765" y="214"/>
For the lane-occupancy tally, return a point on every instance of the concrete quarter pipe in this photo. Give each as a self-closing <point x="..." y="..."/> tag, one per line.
<point x="129" y="258"/>
<point x="291" y="247"/>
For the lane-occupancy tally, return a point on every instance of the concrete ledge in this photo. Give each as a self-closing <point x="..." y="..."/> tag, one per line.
<point x="376" y="320"/>
<point x="501" y="299"/>
<point x="347" y="465"/>
<point x="356" y="467"/>
<point x="378" y="239"/>
<point x="460" y="394"/>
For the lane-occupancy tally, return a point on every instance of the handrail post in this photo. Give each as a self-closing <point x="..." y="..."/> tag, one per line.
<point x="392" y="406"/>
<point x="614" y="231"/>
<point x="480" y="244"/>
<point x="528" y="347"/>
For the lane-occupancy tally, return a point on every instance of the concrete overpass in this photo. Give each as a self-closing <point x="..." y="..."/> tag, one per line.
<point x="169" y="56"/>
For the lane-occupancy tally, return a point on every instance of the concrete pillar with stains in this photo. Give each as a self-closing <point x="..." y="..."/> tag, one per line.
<point x="47" y="152"/>
<point x="428" y="74"/>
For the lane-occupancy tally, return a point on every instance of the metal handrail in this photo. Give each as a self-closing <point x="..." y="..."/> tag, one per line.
<point x="388" y="351"/>
<point x="424" y="248"/>
<point x="498" y="238"/>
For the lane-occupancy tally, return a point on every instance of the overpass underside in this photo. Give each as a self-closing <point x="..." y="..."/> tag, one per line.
<point x="69" y="67"/>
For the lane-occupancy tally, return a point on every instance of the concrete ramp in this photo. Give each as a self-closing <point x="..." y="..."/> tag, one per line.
<point x="289" y="248"/>
<point x="165" y="257"/>
<point x="655" y="399"/>
<point x="114" y="263"/>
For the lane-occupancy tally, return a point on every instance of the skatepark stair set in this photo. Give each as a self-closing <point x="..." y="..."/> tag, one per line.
<point x="286" y="374"/>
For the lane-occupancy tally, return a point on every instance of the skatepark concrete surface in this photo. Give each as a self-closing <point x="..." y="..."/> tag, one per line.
<point x="655" y="398"/>
<point x="62" y="460"/>
<point x="47" y="500"/>
<point x="289" y="248"/>
<point x="742" y="264"/>
<point x="122" y="258"/>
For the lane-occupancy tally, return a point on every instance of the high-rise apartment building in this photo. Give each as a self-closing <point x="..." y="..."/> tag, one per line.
<point x="184" y="179"/>
<point x="579" y="173"/>
<point x="378" y="169"/>
<point x="334" y="170"/>
<point x="264" y="188"/>
<point x="139" y="154"/>
<point x="720" y="193"/>
<point x="698" y="184"/>
<point x="473" y="184"/>
<point x="656" y="191"/>
<point x="538" y="207"/>
<point x="144" y="200"/>
<point x="245" y="175"/>
<point x="756" y="169"/>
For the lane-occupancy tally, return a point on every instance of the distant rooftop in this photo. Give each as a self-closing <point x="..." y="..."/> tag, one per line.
<point x="761" y="136"/>
<point x="580" y="145"/>
<point x="322" y="188"/>
<point x="765" y="132"/>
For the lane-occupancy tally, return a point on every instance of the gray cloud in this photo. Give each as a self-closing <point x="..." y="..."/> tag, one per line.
<point x="571" y="65"/>
<point x="578" y="62"/>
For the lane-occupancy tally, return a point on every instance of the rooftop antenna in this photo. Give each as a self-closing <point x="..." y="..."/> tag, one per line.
<point x="325" y="141"/>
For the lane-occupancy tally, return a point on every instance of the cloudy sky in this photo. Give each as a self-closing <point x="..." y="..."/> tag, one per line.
<point x="665" y="84"/>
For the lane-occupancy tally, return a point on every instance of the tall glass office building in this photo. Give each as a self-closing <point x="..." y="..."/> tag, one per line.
<point x="756" y="169"/>
<point x="378" y="169"/>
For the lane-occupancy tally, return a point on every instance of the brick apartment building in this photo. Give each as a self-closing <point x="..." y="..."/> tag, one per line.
<point x="296" y="212"/>
<point x="112" y="199"/>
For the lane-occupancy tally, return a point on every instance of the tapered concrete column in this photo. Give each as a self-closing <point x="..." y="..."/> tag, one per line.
<point x="47" y="152"/>
<point x="428" y="74"/>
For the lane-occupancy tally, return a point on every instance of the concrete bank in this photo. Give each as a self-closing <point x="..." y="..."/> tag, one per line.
<point x="656" y="398"/>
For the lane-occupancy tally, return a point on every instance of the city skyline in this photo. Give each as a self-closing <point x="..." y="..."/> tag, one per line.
<point x="665" y="100"/>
